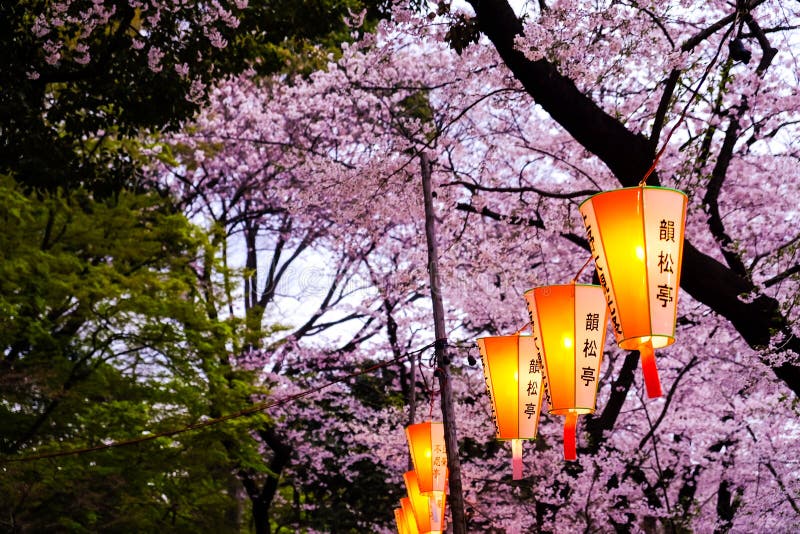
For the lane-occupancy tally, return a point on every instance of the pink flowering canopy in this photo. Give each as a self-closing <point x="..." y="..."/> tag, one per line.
<point x="316" y="182"/>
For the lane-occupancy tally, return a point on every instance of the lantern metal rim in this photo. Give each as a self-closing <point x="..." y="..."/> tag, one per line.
<point x="425" y="423"/>
<point x="567" y="411"/>
<point x="559" y="285"/>
<point x="520" y="334"/>
<point x="659" y="341"/>
<point x="651" y="187"/>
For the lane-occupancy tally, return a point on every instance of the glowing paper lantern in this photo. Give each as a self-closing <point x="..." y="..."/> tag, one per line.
<point x="400" y="521"/>
<point x="513" y="376"/>
<point x="428" y="508"/>
<point x="404" y="518"/>
<point x="428" y="453"/>
<point x="569" y="330"/>
<point x="408" y="516"/>
<point x="636" y="238"/>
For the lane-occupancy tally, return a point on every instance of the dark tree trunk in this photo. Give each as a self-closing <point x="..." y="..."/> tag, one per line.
<point x="261" y="497"/>
<point x="628" y="156"/>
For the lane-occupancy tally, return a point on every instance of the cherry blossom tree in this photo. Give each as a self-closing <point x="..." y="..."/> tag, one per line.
<point x="81" y="79"/>
<point x="311" y="187"/>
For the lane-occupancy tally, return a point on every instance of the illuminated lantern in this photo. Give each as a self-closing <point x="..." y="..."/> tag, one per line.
<point x="428" y="453"/>
<point x="428" y="508"/>
<point x="400" y="521"/>
<point x="513" y="376"/>
<point x="636" y="239"/>
<point x="569" y="330"/>
<point x="404" y="517"/>
<point x="408" y="519"/>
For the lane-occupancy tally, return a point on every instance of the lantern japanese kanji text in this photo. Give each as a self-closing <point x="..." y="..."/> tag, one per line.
<point x="636" y="239"/>
<point x="513" y="376"/>
<point x="428" y="453"/>
<point x="569" y="330"/>
<point x="428" y="507"/>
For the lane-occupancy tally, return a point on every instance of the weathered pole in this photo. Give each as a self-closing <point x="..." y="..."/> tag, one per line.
<point x="442" y="361"/>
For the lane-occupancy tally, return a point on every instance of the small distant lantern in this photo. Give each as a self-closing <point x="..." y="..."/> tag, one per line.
<point x="407" y="520"/>
<point x="429" y="508"/>
<point x="513" y="375"/>
<point x="569" y="330"/>
<point x="428" y="453"/>
<point x="400" y="521"/>
<point x="636" y="239"/>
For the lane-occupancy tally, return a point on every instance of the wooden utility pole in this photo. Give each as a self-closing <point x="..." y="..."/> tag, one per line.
<point x="442" y="361"/>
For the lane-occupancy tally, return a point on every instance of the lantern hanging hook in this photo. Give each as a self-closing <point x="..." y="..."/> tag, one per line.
<point x="526" y="325"/>
<point x="578" y="274"/>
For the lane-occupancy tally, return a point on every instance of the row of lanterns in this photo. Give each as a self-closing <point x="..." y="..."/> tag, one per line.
<point x="423" y="510"/>
<point x="636" y="239"/>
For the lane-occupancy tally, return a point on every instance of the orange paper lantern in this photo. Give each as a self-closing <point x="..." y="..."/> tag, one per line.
<point x="513" y="376"/>
<point x="410" y="522"/>
<point x="636" y="239"/>
<point x="428" y="453"/>
<point x="569" y="330"/>
<point x="401" y="521"/>
<point x="428" y="508"/>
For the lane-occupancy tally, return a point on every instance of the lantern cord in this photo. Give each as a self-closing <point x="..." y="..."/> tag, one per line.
<point x="575" y="279"/>
<point x="433" y="391"/>
<point x="570" y="447"/>
<point x="256" y="408"/>
<point x="526" y="325"/>
<point x="433" y="398"/>
<point x="685" y="111"/>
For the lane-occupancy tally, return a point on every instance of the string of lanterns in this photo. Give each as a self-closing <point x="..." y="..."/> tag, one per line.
<point x="635" y="237"/>
<point x="423" y="511"/>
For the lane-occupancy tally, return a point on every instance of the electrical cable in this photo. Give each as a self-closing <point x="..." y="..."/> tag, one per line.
<point x="210" y="422"/>
<point x="685" y="109"/>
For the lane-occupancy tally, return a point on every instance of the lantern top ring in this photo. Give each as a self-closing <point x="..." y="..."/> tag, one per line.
<point x="568" y="284"/>
<point x="523" y="334"/>
<point x="643" y="186"/>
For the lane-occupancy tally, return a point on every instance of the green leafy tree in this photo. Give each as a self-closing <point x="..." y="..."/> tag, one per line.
<point x="78" y="79"/>
<point x="106" y="336"/>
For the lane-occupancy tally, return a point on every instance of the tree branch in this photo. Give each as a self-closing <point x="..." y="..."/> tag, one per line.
<point x="668" y="400"/>
<point x="510" y="219"/>
<point x="628" y="156"/>
<point x="526" y="189"/>
<point x="783" y="276"/>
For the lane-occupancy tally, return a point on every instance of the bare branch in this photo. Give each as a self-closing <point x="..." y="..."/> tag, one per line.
<point x="510" y="219"/>
<point x="668" y="400"/>
<point x="526" y="189"/>
<point x="783" y="276"/>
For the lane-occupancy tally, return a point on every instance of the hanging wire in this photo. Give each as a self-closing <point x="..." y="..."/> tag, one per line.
<point x="256" y="408"/>
<point x="518" y="332"/>
<point x="433" y="393"/>
<point x="437" y="371"/>
<point x="575" y="279"/>
<point x="687" y="106"/>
